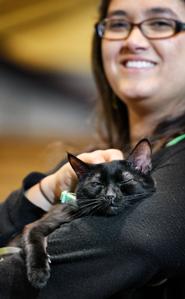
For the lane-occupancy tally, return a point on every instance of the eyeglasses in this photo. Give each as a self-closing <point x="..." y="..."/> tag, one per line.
<point x="155" y="28"/>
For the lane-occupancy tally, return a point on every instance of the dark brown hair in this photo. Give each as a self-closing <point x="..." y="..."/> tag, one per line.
<point x="113" y="120"/>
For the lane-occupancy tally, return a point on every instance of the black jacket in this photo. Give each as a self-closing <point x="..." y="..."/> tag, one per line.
<point x="108" y="257"/>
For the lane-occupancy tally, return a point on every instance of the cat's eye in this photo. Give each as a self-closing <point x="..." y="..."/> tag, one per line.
<point x="128" y="180"/>
<point x="124" y="182"/>
<point x="95" y="184"/>
<point x="127" y="177"/>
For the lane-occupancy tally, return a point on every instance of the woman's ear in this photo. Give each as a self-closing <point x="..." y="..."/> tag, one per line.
<point x="141" y="156"/>
<point x="78" y="165"/>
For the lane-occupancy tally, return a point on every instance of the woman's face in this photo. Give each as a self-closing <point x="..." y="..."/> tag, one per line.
<point x="162" y="75"/>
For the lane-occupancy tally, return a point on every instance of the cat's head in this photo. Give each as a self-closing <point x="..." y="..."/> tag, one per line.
<point x="107" y="188"/>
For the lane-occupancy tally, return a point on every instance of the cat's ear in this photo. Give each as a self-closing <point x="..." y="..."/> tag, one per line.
<point x="78" y="165"/>
<point x="141" y="156"/>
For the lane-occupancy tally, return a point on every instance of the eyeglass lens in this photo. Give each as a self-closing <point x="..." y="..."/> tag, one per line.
<point x="117" y="28"/>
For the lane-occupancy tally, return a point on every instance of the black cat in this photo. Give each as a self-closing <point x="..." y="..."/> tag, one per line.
<point x="103" y="189"/>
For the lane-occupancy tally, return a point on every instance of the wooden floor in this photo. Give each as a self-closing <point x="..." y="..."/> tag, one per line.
<point x="19" y="156"/>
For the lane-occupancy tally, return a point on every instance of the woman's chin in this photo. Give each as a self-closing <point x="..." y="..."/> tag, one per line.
<point x="136" y="93"/>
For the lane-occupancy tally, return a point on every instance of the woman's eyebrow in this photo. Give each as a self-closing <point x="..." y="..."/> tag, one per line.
<point x="161" y="10"/>
<point x="149" y="12"/>
<point x="121" y="13"/>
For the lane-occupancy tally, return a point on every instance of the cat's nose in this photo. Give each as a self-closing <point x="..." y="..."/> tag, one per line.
<point x="111" y="198"/>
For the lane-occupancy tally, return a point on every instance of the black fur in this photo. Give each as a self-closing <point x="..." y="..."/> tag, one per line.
<point x="103" y="189"/>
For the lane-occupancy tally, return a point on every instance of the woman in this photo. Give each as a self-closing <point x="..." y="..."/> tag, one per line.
<point x="138" y="53"/>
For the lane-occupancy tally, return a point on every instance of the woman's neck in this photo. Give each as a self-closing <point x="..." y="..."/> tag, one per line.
<point x="145" y="115"/>
<point x="144" y="122"/>
<point x="141" y="127"/>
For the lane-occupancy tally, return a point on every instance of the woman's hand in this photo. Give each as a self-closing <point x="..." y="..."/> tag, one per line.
<point x="66" y="179"/>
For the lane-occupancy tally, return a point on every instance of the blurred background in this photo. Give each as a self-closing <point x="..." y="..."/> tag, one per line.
<point x="47" y="93"/>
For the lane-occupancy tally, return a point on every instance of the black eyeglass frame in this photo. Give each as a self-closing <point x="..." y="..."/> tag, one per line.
<point x="179" y="27"/>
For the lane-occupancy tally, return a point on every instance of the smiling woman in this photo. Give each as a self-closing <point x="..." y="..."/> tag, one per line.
<point x="142" y="53"/>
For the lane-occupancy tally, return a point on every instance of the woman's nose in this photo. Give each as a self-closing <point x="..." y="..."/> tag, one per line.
<point x="136" y="40"/>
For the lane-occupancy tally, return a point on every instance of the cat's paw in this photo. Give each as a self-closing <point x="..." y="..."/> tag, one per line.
<point x="38" y="277"/>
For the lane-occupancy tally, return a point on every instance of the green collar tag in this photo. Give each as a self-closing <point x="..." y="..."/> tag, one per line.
<point x="176" y="140"/>
<point x="67" y="197"/>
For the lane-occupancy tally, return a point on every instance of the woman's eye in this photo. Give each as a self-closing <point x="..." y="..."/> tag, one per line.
<point x="117" y="25"/>
<point x="160" y="24"/>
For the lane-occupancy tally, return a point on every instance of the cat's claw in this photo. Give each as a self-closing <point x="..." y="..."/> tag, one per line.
<point x="49" y="258"/>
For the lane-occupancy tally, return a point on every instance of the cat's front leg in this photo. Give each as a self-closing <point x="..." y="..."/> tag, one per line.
<point x="34" y="242"/>
<point x="37" y="263"/>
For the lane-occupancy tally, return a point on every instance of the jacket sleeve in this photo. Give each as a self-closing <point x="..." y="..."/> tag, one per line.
<point x="16" y="211"/>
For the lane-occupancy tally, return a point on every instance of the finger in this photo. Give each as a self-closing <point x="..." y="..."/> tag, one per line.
<point x="101" y="156"/>
<point x="67" y="178"/>
<point x="93" y="157"/>
<point x="113" y="154"/>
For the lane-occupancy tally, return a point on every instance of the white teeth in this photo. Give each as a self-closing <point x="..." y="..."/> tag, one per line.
<point x="139" y="64"/>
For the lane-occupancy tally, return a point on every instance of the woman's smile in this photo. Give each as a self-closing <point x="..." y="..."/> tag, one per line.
<point x="137" y="64"/>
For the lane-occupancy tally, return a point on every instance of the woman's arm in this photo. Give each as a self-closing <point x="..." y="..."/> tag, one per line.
<point x="17" y="210"/>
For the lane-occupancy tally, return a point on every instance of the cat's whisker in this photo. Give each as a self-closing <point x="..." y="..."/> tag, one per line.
<point x="83" y="211"/>
<point x="101" y="208"/>
<point x="96" y="208"/>
<point x="92" y="206"/>
<point x="84" y="205"/>
<point x="89" y="199"/>
<point x="88" y="202"/>
<point x="138" y="195"/>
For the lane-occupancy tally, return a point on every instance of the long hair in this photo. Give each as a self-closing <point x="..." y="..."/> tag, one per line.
<point x="113" y="122"/>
